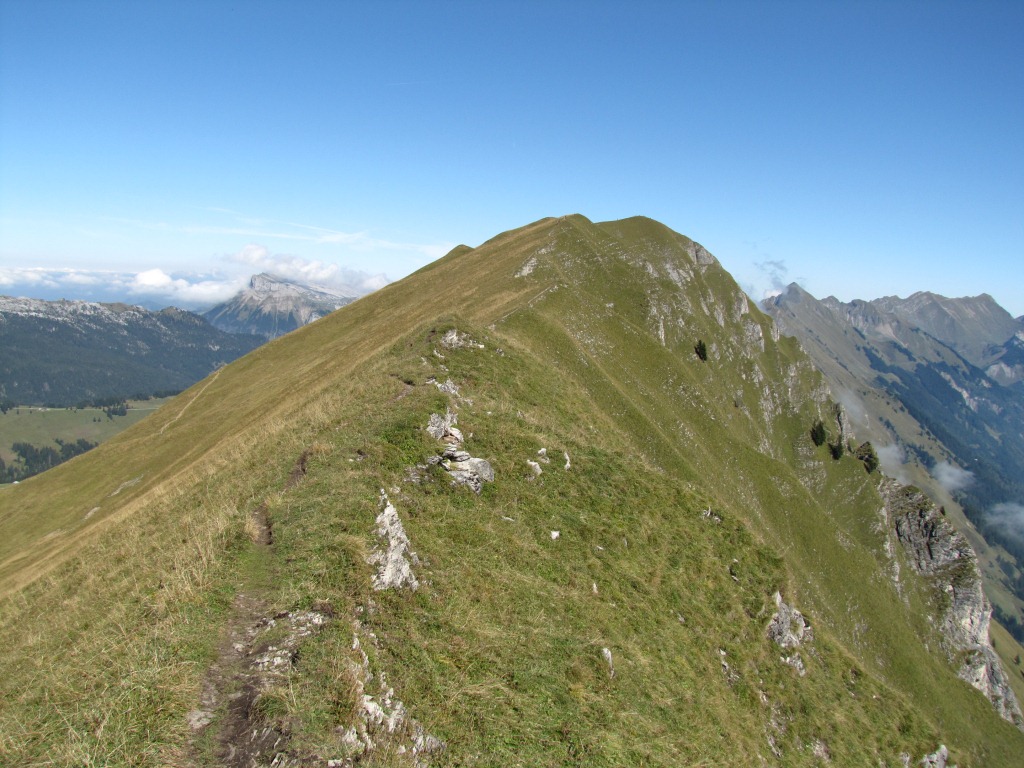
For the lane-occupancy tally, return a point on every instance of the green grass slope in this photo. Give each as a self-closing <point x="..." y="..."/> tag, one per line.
<point x="684" y="494"/>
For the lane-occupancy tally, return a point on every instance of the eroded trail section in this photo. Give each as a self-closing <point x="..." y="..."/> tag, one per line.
<point x="257" y="652"/>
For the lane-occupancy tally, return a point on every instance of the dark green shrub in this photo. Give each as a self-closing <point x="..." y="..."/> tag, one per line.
<point x="701" y="349"/>
<point x="866" y="453"/>
<point x="818" y="434"/>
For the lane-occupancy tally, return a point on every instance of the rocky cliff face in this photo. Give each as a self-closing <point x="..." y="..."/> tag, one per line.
<point x="940" y="553"/>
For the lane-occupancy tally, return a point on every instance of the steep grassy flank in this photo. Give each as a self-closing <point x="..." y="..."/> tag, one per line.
<point x="693" y="494"/>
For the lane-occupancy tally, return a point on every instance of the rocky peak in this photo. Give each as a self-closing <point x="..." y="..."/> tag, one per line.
<point x="272" y="306"/>
<point x="264" y="283"/>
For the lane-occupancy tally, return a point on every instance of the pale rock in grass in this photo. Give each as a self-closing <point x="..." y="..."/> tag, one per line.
<point x="568" y="464"/>
<point x="789" y="630"/>
<point x="452" y="339"/>
<point x="709" y="515"/>
<point x="542" y="454"/>
<point x="467" y="470"/>
<point x="199" y="719"/>
<point x="528" y="267"/>
<point x="382" y="720"/>
<point x="731" y="675"/>
<point x="821" y="751"/>
<point x="555" y="535"/>
<point x="281" y="656"/>
<point x="443" y="427"/>
<point x="537" y="471"/>
<point x="463" y="468"/>
<point x="395" y="560"/>
<point x="936" y="759"/>
<point x="607" y="654"/>
<point x="126" y="484"/>
<point x="449" y="387"/>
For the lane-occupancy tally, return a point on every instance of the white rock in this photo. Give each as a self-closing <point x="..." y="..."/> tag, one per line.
<point x="608" y="658"/>
<point x="394" y="562"/>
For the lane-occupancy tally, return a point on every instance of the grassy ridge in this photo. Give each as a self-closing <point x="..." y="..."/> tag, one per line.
<point x="499" y="652"/>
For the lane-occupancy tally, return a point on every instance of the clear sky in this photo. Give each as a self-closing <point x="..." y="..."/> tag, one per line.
<point x="859" y="148"/>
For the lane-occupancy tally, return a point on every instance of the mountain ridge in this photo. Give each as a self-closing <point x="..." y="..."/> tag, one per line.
<point x="969" y="325"/>
<point x="665" y="568"/>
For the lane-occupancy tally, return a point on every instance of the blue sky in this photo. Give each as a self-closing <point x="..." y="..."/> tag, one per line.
<point x="170" y="149"/>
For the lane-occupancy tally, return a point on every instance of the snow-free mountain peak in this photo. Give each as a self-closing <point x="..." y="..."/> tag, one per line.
<point x="272" y="306"/>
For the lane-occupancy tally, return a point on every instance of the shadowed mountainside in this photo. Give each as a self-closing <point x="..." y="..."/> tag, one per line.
<point x="65" y="352"/>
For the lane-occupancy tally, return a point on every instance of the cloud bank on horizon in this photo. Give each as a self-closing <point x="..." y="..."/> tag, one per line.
<point x="157" y="288"/>
<point x="858" y="149"/>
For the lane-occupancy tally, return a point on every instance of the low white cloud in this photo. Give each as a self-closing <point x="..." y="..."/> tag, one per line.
<point x="951" y="477"/>
<point x="153" y="288"/>
<point x="893" y="461"/>
<point x="156" y="287"/>
<point x="260" y="259"/>
<point x="1009" y="517"/>
<point x="11" y="277"/>
<point x="184" y="291"/>
<point x="853" y="406"/>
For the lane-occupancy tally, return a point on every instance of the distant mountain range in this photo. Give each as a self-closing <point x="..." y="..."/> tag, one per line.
<point x="62" y="353"/>
<point x="67" y="352"/>
<point x="937" y="384"/>
<point x="272" y="306"/>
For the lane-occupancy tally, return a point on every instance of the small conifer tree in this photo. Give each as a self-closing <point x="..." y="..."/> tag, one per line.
<point x="818" y="434"/>
<point x="701" y="349"/>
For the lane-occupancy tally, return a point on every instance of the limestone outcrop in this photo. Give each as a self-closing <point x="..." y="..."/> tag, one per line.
<point x="790" y="631"/>
<point x="463" y="468"/>
<point x="943" y="556"/>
